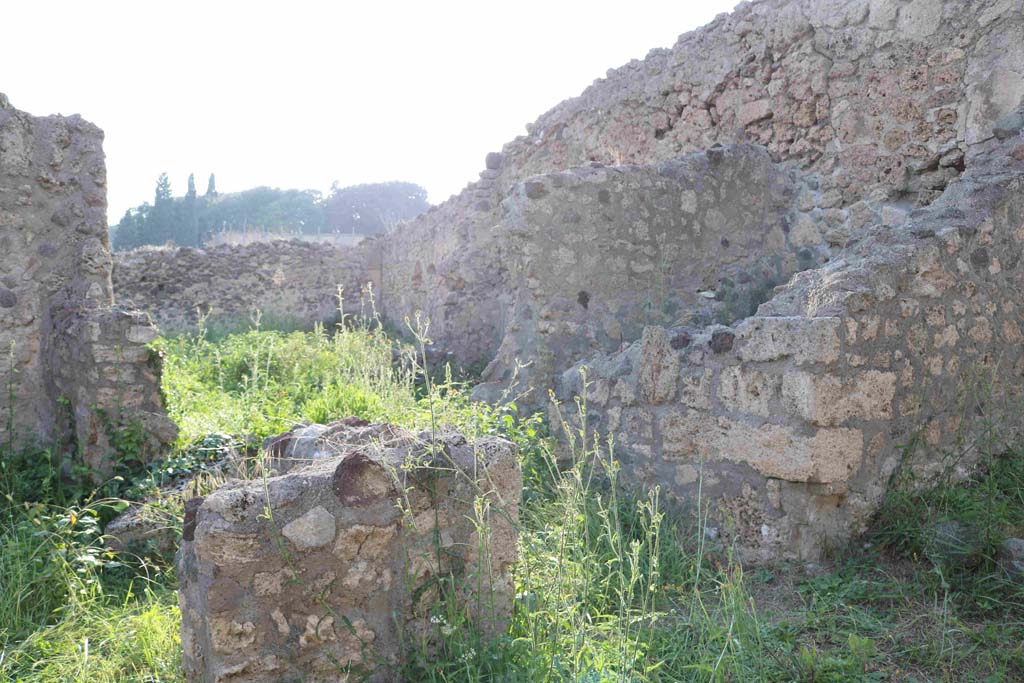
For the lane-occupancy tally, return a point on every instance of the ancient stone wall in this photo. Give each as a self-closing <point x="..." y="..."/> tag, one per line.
<point x="866" y="93"/>
<point x="75" y="369"/>
<point x="447" y="266"/>
<point x="902" y="355"/>
<point x="597" y="253"/>
<point x="876" y="101"/>
<point x="876" y="108"/>
<point x="336" y="568"/>
<point x="866" y="153"/>
<point x="286" y="281"/>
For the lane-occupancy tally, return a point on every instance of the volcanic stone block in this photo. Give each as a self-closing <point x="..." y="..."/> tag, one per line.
<point x="326" y="571"/>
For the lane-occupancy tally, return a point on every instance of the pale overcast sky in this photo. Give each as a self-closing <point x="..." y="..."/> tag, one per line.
<point x="299" y="94"/>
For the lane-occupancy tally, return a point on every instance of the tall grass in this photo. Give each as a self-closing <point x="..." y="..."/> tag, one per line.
<point x="132" y="640"/>
<point x="69" y="610"/>
<point x="262" y="382"/>
<point x="47" y="560"/>
<point x="612" y="584"/>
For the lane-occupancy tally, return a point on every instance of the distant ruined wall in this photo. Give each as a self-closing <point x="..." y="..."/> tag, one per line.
<point x="446" y="266"/>
<point x="793" y="422"/>
<point x="290" y="281"/>
<point x="76" y="366"/>
<point x="875" y="101"/>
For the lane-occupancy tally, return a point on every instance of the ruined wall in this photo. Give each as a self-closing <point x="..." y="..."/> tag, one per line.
<point x="875" y="100"/>
<point x="597" y="253"/>
<point x="867" y="152"/>
<point x="289" y="281"/>
<point x="357" y="552"/>
<point x="867" y="93"/>
<point x="793" y="422"/>
<point x="447" y="266"/>
<point x="75" y="367"/>
<point x="876" y="108"/>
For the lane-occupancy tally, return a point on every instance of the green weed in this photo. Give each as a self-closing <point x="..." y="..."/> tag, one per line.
<point x="612" y="584"/>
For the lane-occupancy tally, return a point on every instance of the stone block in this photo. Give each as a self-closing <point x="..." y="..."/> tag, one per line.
<point x="832" y="400"/>
<point x="748" y="390"/>
<point x="494" y="160"/>
<point x="774" y="451"/>
<point x="658" y="372"/>
<point x="778" y="452"/>
<point x="340" y="564"/>
<point x="806" y="340"/>
<point x="142" y="334"/>
<point x="920" y="19"/>
<point x="753" y="112"/>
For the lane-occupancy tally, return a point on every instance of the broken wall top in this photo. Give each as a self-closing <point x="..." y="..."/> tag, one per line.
<point x="867" y="93"/>
<point x="53" y="206"/>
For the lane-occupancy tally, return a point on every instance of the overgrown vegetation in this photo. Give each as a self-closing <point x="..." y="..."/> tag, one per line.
<point x="610" y="586"/>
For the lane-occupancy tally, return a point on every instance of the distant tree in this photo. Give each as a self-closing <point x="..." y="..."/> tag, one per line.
<point x="130" y="230"/>
<point x="124" y="236"/>
<point x="187" y="232"/>
<point x="268" y="210"/>
<point x="160" y="226"/>
<point x="163" y="189"/>
<point x="375" y="207"/>
<point x="192" y="220"/>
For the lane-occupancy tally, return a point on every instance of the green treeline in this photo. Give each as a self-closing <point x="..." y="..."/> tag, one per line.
<point x="194" y="220"/>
